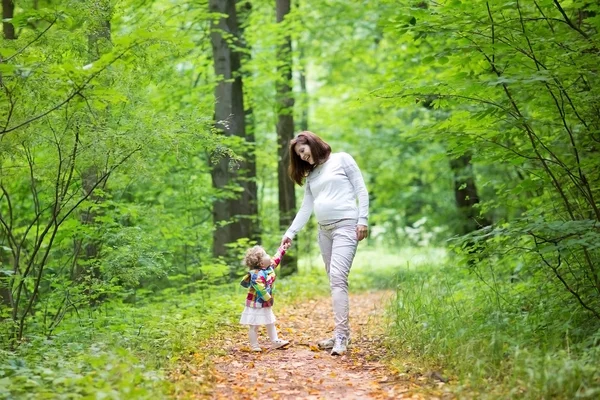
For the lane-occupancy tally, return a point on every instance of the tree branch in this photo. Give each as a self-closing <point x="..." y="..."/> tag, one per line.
<point x="71" y="96"/>
<point x="443" y="96"/>
<point x="33" y="41"/>
<point x="487" y="4"/>
<point x="565" y="283"/>
<point x="585" y="189"/>
<point x="544" y="15"/>
<point x="568" y="20"/>
<point x="56" y="223"/>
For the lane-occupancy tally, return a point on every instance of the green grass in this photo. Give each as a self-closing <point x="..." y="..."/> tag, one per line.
<point x="496" y="339"/>
<point x="375" y="268"/>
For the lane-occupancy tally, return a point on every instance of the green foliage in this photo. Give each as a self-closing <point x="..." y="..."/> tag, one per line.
<point x="124" y="350"/>
<point x="497" y="337"/>
<point x="100" y="192"/>
<point x="73" y="371"/>
<point x="513" y="85"/>
<point x="117" y="351"/>
<point x="106" y="195"/>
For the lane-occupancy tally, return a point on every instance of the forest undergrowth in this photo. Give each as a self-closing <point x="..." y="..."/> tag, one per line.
<point x="444" y="322"/>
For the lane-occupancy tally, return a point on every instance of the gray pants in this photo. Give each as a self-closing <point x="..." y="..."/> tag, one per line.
<point x="338" y="244"/>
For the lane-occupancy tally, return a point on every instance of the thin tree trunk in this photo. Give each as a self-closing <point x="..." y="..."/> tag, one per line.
<point x="8" y="9"/>
<point x="465" y="194"/>
<point x="285" y="129"/>
<point x="99" y="42"/>
<point x="250" y="137"/>
<point x="233" y="218"/>
<point x="465" y="190"/>
<point x="304" y="93"/>
<point x="311" y="226"/>
<point x="6" y="298"/>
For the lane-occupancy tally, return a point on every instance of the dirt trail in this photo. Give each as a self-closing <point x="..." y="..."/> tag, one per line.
<point x="302" y="371"/>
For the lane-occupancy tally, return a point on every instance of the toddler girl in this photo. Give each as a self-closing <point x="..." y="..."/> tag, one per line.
<point x="259" y="302"/>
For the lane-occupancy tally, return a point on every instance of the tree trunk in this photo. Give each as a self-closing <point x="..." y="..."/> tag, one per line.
<point x="304" y="93"/>
<point x="6" y="298"/>
<point x="8" y="9"/>
<point x="88" y="217"/>
<point x="99" y="42"/>
<point x="465" y="191"/>
<point x="233" y="218"/>
<point x="285" y="130"/>
<point x="252" y="188"/>
<point x="302" y="102"/>
<point x="465" y="194"/>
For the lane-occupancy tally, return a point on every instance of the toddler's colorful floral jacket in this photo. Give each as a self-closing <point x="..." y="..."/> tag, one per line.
<point x="260" y="283"/>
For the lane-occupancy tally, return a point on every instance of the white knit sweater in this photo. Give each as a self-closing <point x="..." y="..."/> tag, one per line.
<point x="332" y="189"/>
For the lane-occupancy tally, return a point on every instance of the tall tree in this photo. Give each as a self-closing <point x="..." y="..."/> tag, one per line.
<point x="285" y="125"/>
<point x="245" y="11"/>
<point x="511" y="99"/>
<point x="99" y="42"/>
<point x="58" y="121"/>
<point x="233" y="216"/>
<point x="8" y="8"/>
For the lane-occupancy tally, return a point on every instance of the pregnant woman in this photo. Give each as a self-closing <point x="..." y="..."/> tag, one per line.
<point x="333" y="184"/>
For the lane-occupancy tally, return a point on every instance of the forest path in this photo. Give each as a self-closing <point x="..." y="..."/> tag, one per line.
<point x="302" y="371"/>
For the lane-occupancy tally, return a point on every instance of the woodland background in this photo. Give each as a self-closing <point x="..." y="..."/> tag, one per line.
<point x="142" y="149"/>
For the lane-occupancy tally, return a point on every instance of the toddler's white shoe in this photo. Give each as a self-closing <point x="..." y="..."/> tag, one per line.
<point x="255" y="349"/>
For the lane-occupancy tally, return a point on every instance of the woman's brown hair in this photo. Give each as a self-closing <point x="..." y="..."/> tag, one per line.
<point x="299" y="169"/>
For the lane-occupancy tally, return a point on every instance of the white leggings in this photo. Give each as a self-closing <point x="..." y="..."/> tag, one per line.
<point x="338" y="243"/>
<point x="253" y="333"/>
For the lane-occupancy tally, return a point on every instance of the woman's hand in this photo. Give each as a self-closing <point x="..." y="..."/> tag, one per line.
<point x="286" y="241"/>
<point x="362" y="231"/>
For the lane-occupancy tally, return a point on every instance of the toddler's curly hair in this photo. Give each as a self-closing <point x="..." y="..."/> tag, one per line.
<point x="253" y="256"/>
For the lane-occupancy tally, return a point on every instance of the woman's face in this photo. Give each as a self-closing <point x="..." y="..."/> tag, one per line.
<point x="303" y="151"/>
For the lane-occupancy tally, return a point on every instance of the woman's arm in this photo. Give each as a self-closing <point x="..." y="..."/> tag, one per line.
<point x="302" y="217"/>
<point x="356" y="179"/>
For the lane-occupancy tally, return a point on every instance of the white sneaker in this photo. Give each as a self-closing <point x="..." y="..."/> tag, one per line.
<point x="256" y="349"/>
<point x="340" y="345"/>
<point x="327" y="344"/>
<point x="279" y="343"/>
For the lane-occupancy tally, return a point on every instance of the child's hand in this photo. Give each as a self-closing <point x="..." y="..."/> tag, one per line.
<point x="287" y="245"/>
<point x="285" y="240"/>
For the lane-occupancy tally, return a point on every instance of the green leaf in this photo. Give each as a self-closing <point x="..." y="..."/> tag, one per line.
<point x="7" y="69"/>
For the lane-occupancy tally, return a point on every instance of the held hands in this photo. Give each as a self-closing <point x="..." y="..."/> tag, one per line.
<point x="362" y="232"/>
<point x="286" y="241"/>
